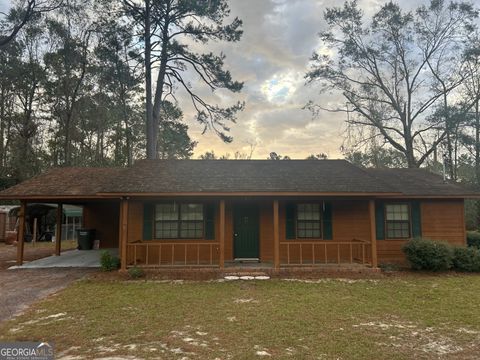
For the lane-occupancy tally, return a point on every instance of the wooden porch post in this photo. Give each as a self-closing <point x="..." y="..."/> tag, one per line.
<point x="221" y="260"/>
<point x="373" y="233"/>
<point x="124" y="233"/>
<point x="58" y="234"/>
<point x="276" y="236"/>
<point x="21" y="232"/>
<point x="120" y="217"/>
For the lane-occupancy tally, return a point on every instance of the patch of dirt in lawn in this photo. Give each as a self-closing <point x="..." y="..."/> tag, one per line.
<point x="8" y="253"/>
<point x="187" y="343"/>
<point x="327" y="280"/>
<point x="425" y="342"/>
<point x="245" y="301"/>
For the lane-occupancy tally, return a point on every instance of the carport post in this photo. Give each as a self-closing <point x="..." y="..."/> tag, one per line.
<point x="58" y="234"/>
<point x="21" y="232"/>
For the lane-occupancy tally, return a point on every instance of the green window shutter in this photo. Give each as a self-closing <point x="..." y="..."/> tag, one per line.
<point x="380" y="220"/>
<point x="148" y="213"/>
<point x="210" y="221"/>
<point x="416" y="219"/>
<point x="290" y="221"/>
<point x="327" y="221"/>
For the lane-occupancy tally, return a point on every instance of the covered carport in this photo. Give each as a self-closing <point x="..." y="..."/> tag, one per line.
<point x="70" y="186"/>
<point x="101" y="215"/>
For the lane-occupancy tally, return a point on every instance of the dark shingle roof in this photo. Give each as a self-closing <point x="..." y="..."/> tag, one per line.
<point x="64" y="182"/>
<point x="238" y="176"/>
<point x="163" y="176"/>
<point x="419" y="182"/>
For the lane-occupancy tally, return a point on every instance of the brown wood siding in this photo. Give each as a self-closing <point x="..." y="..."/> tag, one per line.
<point x="390" y="251"/>
<point x="104" y="218"/>
<point x="135" y="221"/>
<point x="176" y="252"/>
<point x="444" y="220"/>
<point x="350" y="220"/>
<point x="135" y="232"/>
<point x="441" y="220"/>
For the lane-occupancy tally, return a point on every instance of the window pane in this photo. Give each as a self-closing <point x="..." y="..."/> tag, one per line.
<point x="173" y="221"/>
<point x="397" y="212"/>
<point x="398" y="229"/>
<point x="191" y="229"/>
<point x="309" y="229"/>
<point x="308" y="211"/>
<point x="166" y="229"/>
<point x="166" y="212"/>
<point x="192" y="212"/>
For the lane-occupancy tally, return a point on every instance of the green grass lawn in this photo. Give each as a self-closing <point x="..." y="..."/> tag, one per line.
<point x="423" y="317"/>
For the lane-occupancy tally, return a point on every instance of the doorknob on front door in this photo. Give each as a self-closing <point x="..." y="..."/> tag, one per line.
<point x="235" y="234"/>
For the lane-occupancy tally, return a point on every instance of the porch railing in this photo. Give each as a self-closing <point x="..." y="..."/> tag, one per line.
<point x="206" y="254"/>
<point x="173" y="254"/>
<point x="318" y="252"/>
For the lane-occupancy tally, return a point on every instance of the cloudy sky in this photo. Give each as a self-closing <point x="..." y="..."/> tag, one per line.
<point x="272" y="58"/>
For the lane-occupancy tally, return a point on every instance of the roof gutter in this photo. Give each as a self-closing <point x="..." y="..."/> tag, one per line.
<point x="250" y="193"/>
<point x="113" y="196"/>
<point x="57" y="197"/>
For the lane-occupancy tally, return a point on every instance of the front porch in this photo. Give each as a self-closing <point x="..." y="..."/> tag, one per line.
<point x="292" y="254"/>
<point x="259" y="238"/>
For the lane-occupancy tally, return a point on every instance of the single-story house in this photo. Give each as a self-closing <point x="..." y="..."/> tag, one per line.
<point x="193" y="213"/>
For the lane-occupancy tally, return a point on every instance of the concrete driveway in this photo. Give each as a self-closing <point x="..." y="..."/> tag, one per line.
<point x="69" y="259"/>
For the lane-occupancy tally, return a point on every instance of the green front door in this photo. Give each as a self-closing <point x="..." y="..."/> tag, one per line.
<point x="245" y="231"/>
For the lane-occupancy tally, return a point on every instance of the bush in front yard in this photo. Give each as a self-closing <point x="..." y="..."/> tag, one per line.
<point x="473" y="239"/>
<point x="108" y="262"/>
<point x="136" y="272"/>
<point x="466" y="259"/>
<point x="423" y="254"/>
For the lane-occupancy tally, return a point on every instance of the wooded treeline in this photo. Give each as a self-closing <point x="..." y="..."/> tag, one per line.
<point x="96" y="82"/>
<point x="410" y="81"/>
<point x="410" y="84"/>
<point x="73" y="81"/>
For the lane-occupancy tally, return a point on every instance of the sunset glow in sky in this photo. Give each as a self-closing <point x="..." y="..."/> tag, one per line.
<point x="272" y="58"/>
